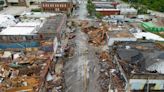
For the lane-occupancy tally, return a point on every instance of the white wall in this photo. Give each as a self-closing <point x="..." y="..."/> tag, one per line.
<point x="138" y="84"/>
<point x="112" y="40"/>
<point x="13" y="1"/>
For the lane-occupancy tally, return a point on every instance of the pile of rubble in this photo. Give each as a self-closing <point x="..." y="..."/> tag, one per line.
<point x="29" y="71"/>
<point x="97" y="36"/>
<point x="84" y="24"/>
<point x="104" y="78"/>
<point x="55" y="77"/>
<point x="109" y="76"/>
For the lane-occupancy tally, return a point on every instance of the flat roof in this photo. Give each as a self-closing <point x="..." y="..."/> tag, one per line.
<point x="52" y="24"/>
<point x="18" y="31"/>
<point x="117" y="31"/>
<point x="37" y="14"/>
<point x="104" y="9"/>
<point x="22" y="28"/>
<point x="120" y="34"/>
<point x="7" y="20"/>
<point x="14" y="10"/>
<point x="148" y="36"/>
<point x="140" y="57"/>
<point x="30" y="24"/>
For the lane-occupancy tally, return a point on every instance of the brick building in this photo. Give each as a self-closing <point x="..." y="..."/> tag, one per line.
<point x="57" y="6"/>
<point x="108" y="12"/>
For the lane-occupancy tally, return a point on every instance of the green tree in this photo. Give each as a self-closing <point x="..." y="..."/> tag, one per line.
<point x="91" y="8"/>
<point x="98" y="15"/>
<point x="157" y="5"/>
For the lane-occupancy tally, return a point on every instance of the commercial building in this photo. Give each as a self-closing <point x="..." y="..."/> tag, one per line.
<point x="126" y="10"/>
<point x="28" y="53"/>
<point x="140" y="66"/>
<point x="31" y="32"/>
<point x="108" y="12"/>
<point x="57" y="6"/>
<point x="106" y="8"/>
<point x="21" y="35"/>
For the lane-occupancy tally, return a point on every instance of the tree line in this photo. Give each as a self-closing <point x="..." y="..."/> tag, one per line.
<point x="157" y="5"/>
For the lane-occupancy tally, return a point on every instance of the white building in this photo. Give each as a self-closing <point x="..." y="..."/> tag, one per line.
<point x="7" y="20"/>
<point x="146" y="35"/>
<point x="23" y="28"/>
<point x="125" y="9"/>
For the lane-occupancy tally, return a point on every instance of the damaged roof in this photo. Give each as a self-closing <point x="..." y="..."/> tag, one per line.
<point x="137" y="56"/>
<point x="130" y="55"/>
<point x="52" y="24"/>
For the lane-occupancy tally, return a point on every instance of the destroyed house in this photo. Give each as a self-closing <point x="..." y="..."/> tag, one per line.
<point x="141" y="65"/>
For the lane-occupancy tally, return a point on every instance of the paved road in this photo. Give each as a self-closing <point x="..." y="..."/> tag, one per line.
<point x="81" y="71"/>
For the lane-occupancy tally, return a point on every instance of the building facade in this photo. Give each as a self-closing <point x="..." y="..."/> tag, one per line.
<point x="57" y="6"/>
<point x="108" y="12"/>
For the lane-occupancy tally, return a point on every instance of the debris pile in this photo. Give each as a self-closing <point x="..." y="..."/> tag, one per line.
<point x="54" y="79"/>
<point x="84" y="24"/>
<point x="29" y="71"/>
<point x="97" y="36"/>
<point x="104" y="78"/>
<point x="22" y="71"/>
<point x="109" y="75"/>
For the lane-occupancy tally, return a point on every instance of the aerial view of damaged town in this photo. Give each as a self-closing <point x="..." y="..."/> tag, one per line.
<point x="81" y="45"/>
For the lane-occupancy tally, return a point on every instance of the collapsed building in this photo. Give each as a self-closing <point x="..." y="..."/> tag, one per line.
<point x="32" y="71"/>
<point x="28" y="54"/>
<point x="140" y="65"/>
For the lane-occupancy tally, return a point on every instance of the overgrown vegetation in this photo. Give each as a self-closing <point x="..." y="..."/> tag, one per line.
<point x="157" y="5"/>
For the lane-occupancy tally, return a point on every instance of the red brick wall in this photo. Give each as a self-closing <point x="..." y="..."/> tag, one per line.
<point x="108" y="13"/>
<point x="56" y="6"/>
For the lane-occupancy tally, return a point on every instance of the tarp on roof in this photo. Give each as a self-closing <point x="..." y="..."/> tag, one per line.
<point x="149" y="26"/>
